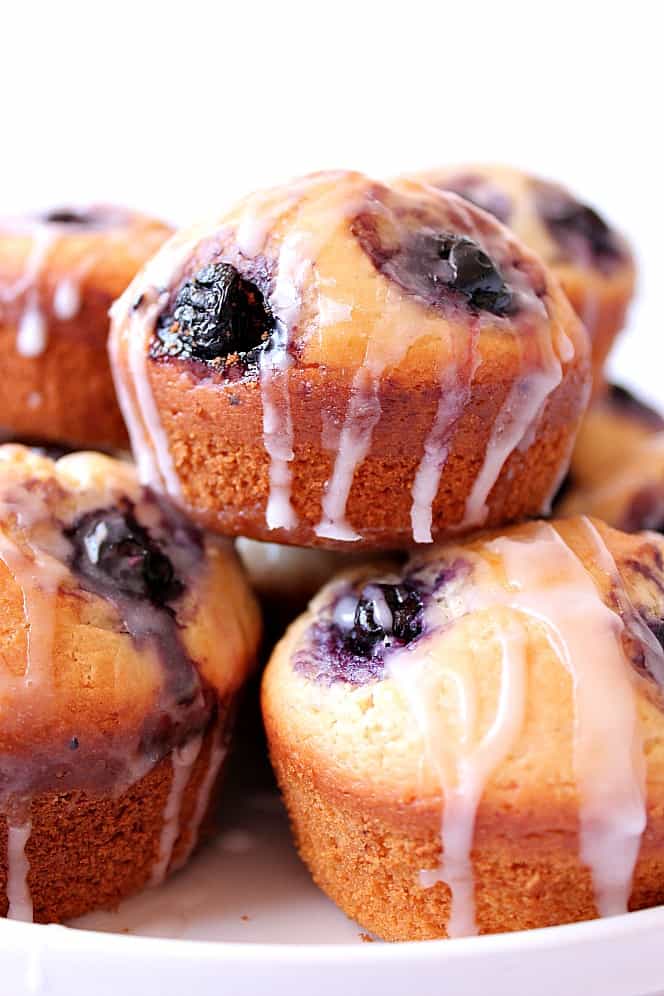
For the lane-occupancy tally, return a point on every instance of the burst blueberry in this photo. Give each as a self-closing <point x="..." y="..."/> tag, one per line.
<point x="67" y="216"/>
<point x="386" y="615"/>
<point x="116" y="555"/>
<point x="216" y="314"/>
<point x="441" y="268"/>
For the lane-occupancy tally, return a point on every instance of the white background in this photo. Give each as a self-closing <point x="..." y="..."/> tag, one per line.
<point x="179" y="108"/>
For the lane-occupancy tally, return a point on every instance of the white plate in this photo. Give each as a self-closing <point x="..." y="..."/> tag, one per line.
<point x="244" y="919"/>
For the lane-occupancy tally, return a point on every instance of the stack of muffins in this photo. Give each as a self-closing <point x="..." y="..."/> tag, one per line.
<point x="466" y="721"/>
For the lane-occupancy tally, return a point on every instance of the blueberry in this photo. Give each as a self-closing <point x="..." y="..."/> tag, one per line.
<point x="386" y="614"/>
<point x="475" y="276"/>
<point x="483" y="194"/>
<point x="437" y="266"/>
<point x="66" y="216"/>
<point x="216" y="315"/>
<point x="656" y="627"/>
<point x="626" y="403"/>
<point x="577" y="228"/>
<point x="645" y="510"/>
<point x="116" y="555"/>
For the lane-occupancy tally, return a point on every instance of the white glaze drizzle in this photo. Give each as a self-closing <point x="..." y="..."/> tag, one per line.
<point x="515" y="423"/>
<point x="275" y="363"/>
<point x="33" y="328"/>
<point x="295" y="260"/>
<point x="218" y="752"/>
<point x="454" y="394"/>
<point x="32" y="333"/>
<point x="296" y="255"/>
<point x="66" y="299"/>
<point x="387" y="344"/>
<point x="148" y="438"/>
<point x="544" y="580"/>
<point x="18" y="867"/>
<point x="39" y="577"/>
<point x="362" y="416"/>
<point x="463" y="774"/>
<point x="608" y="758"/>
<point x="183" y="760"/>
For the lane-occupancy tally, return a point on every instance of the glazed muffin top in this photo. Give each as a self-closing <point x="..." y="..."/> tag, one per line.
<point x="340" y="273"/>
<point x="121" y="624"/>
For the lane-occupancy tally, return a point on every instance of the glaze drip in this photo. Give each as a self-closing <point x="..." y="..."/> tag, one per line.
<point x="536" y="580"/>
<point x="19" y="898"/>
<point x="183" y="760"/>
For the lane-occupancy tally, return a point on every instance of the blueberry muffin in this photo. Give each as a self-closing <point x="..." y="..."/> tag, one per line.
<point x="475" y="742"/>
<point x="119" y="674"/>
<point x="59" y="274"/>
<point x="339" y="363"/>
<point x="617" y="469"/>
<point x="591" y="259"/>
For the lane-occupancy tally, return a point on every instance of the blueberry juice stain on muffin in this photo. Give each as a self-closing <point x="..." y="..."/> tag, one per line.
<point x="365" y="624"/>
<point x="114" y="556"/>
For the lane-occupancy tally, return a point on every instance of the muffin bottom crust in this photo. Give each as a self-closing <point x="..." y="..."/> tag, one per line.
<point x="89" y="852"/>
<point x="367" y="855"/>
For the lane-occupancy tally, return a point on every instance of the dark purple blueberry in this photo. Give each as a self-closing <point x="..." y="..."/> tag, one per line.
<point x="625" y="402"/>
<point x="67" y="216"/>
<point x="483" y="194"/>
<point x="647" y="663"/>
<point x="475" y="275"/>
<point x="216" y="314"/>
<point x="656" y="627"/>
<point x="117" y="556"/>
<point x="352" y="644"/>
<point x="438" y="267"/>
<point x="386" y="614"/>
<point x="576" y="227"/>
<point x="645" y="510"/>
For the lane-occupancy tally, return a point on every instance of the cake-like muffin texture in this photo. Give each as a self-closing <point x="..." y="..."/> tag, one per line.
<point x="339" y="363"/>
<point x="60" y="271"/>
<point x="617" y="469"/>
<point x="475" y="742"/>
<point x="126" y="636"/>
<point x="592" y="260"/>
